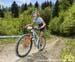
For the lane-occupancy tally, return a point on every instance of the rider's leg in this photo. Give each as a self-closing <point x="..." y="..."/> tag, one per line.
<point x="41" y="36"/>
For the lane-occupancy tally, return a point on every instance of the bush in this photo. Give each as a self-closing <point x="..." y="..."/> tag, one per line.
<point x="13" y="26"/>
<point x="54" y="25"/>
<point x="68" y="26"/>
<point x="46" y="15"/>
<point x="9" y="27"/>
<point x="65" y="23"/>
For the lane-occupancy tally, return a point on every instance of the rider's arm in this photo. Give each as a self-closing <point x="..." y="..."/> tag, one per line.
<point x="44" y="24"/>
<point x="30" y="24"/>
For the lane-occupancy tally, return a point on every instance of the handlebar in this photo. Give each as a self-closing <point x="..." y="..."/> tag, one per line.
<point x="29" y="28"/>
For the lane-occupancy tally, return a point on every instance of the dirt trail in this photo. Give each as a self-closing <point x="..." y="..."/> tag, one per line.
<point x="50" y="54"/>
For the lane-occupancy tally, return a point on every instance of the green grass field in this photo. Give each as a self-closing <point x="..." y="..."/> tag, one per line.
<point x="68" y="53"/>
<point x="7" y="41"/>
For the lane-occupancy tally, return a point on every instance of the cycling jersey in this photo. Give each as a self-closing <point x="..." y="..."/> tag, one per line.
<point x="39" y="21"/>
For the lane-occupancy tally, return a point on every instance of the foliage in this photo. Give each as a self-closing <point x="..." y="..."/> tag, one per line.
<point x="71" y="2"/>
<point x="46" y="4"/>
<point x="13" y="26"/>
<point x="56" y="9"/>
<point x="68" y="26"/>
<point x="36" y="5"/>
<point x="65" y="4"/>
<point x="1" y="13"/>
<point x="30" y="5"/>
<point x="50" y="4"/>
<point x="24" y="7"/>
<point x="65" y="23"/>
<point x="14" y="9"/>
<point x="9" y="26"/>
<point x="54" y="25"/>
<point x="46" y="15"/>
<point x="68" y="53"/>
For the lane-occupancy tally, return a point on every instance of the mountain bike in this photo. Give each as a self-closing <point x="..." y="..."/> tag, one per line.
<point x="24" y="43"/>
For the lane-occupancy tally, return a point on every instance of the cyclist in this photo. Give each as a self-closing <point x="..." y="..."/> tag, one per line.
<point x="41" y="24"/>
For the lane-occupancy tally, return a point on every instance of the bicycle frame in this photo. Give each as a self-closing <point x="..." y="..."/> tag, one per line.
<point x="35" y="37"/>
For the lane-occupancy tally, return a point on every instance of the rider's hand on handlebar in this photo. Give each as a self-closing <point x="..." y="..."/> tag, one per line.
<point x="26" y="26"/>
<point x="36" y="28"/>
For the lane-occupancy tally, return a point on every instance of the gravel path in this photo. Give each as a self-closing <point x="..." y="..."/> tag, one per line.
<point x="50" y="54"/>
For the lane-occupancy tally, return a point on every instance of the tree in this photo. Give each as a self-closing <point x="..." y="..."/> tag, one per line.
<point x="56" y="9"/>
<point x="1" y="11"/>
<point x="14" y="9"/>
<point x="65" y="4"/>
<point x="24" y="7"/>
<point x="36" y="5"/>
<point x="71" y="1"/>
<point x="30" y="5"/>
<point x="45" y="14"/>
<point x="50" y="4"/>
<point x="45" y="4"/>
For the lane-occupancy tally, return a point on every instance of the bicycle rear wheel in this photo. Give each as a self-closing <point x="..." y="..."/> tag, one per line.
<point x="23" y="46"/>
<point x="42" y="44"/>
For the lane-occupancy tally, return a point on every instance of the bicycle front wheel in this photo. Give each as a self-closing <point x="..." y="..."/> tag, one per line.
<point x="23" y="46"/>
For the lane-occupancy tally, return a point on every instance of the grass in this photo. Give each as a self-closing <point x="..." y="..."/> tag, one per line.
<point x="68" y="53"/>
<point x="7" y="41"/>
